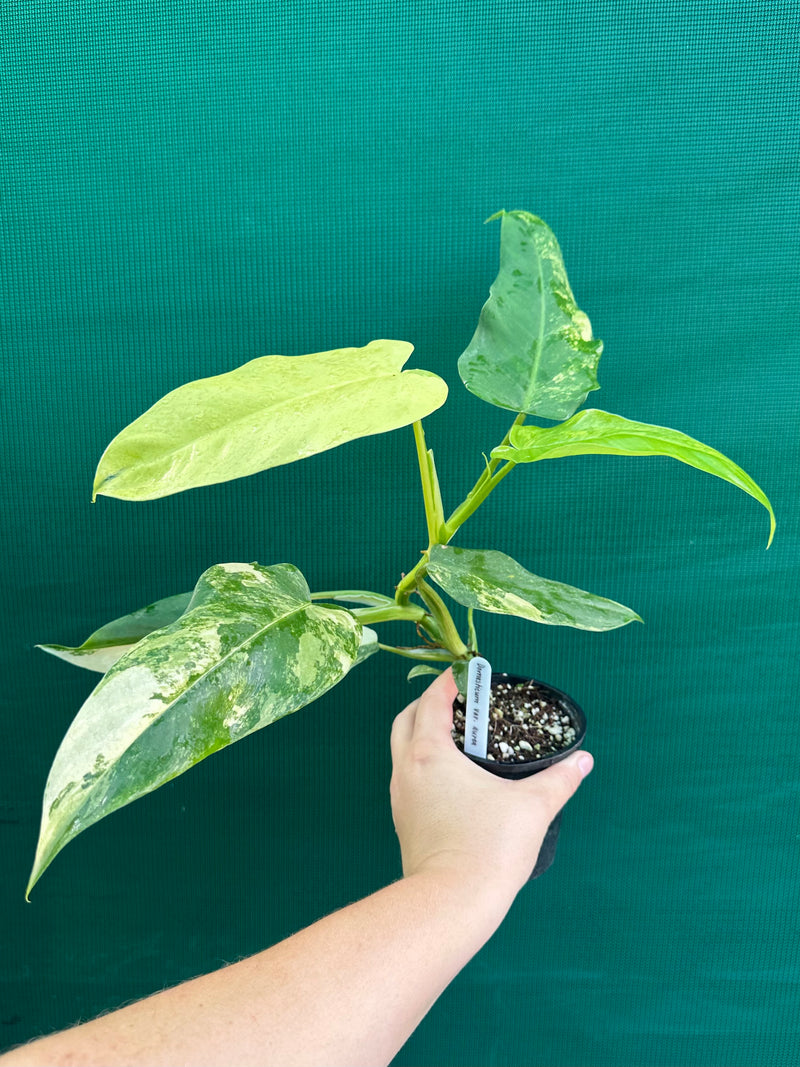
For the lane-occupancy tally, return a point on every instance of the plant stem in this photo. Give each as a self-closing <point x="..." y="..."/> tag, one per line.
<point x="422" y="460"/>
<point x="476" y="496"/>
<point x="490" y="477"/>
<point x="473" y="637"/>
<point x="484" y="485"/>
<point x="492" y="465"/>
<point x="444" y="620"/>
<point x="431" y="494"/>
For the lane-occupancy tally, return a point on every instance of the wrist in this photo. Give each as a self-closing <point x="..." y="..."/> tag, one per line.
<point x="482" y="900"/>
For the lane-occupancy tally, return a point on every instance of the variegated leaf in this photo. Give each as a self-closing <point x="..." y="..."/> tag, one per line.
<point x="105" y="646"/>
<point x="250" y="648"/>
<point x="533" y="349"/>
<point x="492" y="581"/>
<point x="600" y="433"/>
<point x="424" y="652"/>
<point x="270" y="411"/>
<point x="357" y="596"/>
<point x="368" y="645"/>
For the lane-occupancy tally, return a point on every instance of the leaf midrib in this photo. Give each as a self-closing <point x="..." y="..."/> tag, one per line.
<point x="531" y="390"/>
<point x="224" y="429"/>
<point x="152" y="721"/>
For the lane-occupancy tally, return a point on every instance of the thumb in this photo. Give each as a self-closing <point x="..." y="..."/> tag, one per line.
<point x="556" y="784"/>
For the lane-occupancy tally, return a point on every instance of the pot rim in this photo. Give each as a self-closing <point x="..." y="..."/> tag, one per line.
<point x="523" y="769"/>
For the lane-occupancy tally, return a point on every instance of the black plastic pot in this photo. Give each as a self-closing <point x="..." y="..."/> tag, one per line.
<point x="525" y="770"/>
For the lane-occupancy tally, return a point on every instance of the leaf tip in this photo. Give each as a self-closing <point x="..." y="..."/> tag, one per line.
<point x="497" y="215"/>
<point x="32" y="880"/>
<point x="771" y="528"/>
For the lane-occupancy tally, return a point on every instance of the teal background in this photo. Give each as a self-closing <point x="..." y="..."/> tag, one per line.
<point x="190" y="185"/>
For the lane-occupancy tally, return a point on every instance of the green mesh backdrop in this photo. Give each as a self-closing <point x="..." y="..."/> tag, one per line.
<point x="187" y="186"/>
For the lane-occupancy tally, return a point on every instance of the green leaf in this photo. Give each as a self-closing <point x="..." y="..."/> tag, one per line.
<point x="420" y="669"/>
<point x="599" y="433"/>
<point x="106" y="645"/>
<point x="423" y="652"/>
<point x="368" y="645"/>
<point x="495" y="582"/>
<point x="461" y="675"/>
<point x="270" y="411"/>
<point x="533" y="349"/>
<point x="357" y="596"/>
<point x="250" y="648"/>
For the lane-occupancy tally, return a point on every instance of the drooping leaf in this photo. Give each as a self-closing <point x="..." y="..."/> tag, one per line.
<point x="270" y="411"/>
<point x="105" y="646"/>
<point x="533" y="349"/>
<point x="600" y="433"/>
<point x="250" y="648"/>
<point x="492" y="581"/>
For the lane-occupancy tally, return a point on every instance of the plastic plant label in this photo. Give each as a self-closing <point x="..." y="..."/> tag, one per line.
<point x="476" y="729"/>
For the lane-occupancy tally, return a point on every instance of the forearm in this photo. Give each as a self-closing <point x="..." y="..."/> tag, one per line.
<point x="347" y="991"/>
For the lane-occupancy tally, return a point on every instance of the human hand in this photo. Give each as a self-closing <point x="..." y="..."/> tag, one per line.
<point x="455" y="817"/>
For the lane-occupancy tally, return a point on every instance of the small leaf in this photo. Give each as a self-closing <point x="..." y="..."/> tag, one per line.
<point x="106" y="645"/>
<point x="436" y="655"/>
<point x="250" y="648"/>
<point x="357" y="596"/>
<point x="495" y="582"/>
<point x="420" y="669"/>
<point x="600" y="433"/>
<point x="270" y="411"/>
<point x="461" y="675"/>
<point x="533" y="349"/>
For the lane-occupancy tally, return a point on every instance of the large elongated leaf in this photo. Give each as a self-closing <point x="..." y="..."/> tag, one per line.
<point x="250" y="648"/>
<point x="533" y="349"/>
<point x="270" y="411"/>
<point x="493" y="581"/>
<point x="600" y="433"/>
<point x="105" y="646"/>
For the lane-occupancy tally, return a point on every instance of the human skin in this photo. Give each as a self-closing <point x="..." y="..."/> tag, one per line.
<point x="350" y="989"/>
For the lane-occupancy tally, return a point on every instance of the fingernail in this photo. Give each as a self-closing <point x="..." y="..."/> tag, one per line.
<point x="585" y="763"/>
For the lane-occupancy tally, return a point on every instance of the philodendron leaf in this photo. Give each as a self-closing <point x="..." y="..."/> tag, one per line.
<point x="533" y="349"/>
<point x="420" y="669"/>
<point x="368" y="645"/>
<point x="250" y="648"/>
<point x="425" y="652"/>
<point x="357" y="596"/>
<point x="270" y="411"/>
<point x="106" y="645"/>
<point x="461" y="675"/>
<point x="600" y="433"/>
<point x="495" y="582"/>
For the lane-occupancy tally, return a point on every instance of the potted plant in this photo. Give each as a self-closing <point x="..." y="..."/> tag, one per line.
<point x="251" y="643"/>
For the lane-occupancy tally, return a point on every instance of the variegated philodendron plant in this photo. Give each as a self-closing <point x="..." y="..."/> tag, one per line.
<point x="193" y="673"/>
